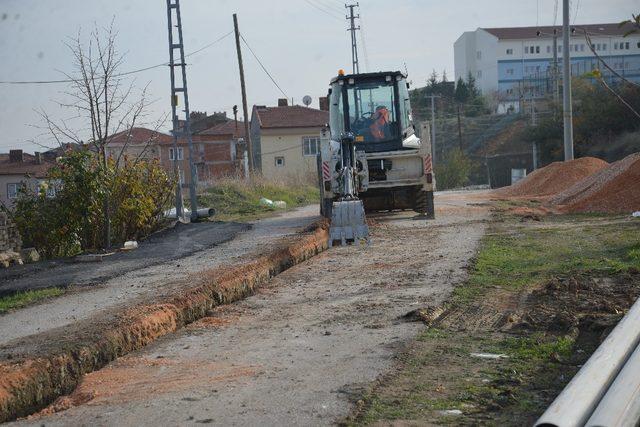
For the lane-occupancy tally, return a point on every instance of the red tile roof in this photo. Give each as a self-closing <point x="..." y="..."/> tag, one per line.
<point x="294" y="116"/>
<point x="140" y="136"/>
<point x="516" y="33"/>
<point x="28" y="166"/>
<point x="226" y="128"/>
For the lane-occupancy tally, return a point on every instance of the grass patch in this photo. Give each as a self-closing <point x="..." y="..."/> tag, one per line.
<point x="528" y="256"/>
<point x="437" y="372"/>
<point x="236" y="199"/>
<point x="22" y="299"/>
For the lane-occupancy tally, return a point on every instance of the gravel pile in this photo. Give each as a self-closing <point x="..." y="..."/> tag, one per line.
<point x="614" y="189"/>
<point x="554" y="178"/>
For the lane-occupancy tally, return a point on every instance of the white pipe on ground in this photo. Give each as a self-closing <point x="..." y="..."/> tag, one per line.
<point x="620" y="406"/>
<point x="578" y="400"/>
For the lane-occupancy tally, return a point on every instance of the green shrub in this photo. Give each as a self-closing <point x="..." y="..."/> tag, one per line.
<point x="73" y="220"/>
<point x="454" y="171"/>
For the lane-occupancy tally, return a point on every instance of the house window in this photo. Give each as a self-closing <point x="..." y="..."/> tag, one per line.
<point x="510" y="71"/>
<point x="509" y="51"/>
<point x="479" y="55"/>
<point x="548" y="49"/>
<point x="180" y="154"/>
<point x="479" y="74"/>
<point x="310" y="145"/>
<point x="12" y="191"/>
<point x="279" y="162"/>
<point x="48" y="187"/>
<point x="626" y="45"/>
<point x="604" y="46"/>
<point x="537" y="49"/>
<point x="615" y="46"/>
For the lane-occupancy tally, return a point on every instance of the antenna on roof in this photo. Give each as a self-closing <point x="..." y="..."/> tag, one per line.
<point x="307" y="100"/>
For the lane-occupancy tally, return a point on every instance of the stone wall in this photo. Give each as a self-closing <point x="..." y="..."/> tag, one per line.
<point x="9" y="236"/>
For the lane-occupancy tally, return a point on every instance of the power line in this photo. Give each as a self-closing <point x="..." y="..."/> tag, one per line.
<point x="575" y="14"/>
<point x="331" y="7"/>
<point x="263" y="67"/>
<point x="126" y="73"/>
<point x="364" y="44"/>
<point x="323" y="10"/>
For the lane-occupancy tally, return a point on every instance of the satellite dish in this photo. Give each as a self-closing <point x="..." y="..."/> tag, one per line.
<point x="307" y="100"/>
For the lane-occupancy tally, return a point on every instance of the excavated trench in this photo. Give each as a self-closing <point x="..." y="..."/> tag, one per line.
<point x="32" y="376"/>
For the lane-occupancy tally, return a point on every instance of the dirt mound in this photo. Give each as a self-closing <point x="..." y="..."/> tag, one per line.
<point x="615" y="188"/>
<point x="554" y="178"/>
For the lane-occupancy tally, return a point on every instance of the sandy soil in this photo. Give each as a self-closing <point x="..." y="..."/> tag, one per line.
<point x="148" y="282"/>
<point x="299" y="351"/>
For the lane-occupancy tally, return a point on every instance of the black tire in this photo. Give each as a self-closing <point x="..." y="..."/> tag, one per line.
<point x="424" y="203"/>
<point x="326" y="206"/>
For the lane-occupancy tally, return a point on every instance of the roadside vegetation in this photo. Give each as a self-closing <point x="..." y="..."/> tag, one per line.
<point x="73" y="220"/>
<point x="236" y="199"/>
<point x="23" y="299"/>
<point x="539" y="299"/>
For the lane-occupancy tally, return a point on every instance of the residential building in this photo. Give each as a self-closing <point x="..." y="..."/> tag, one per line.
<point x="219" y="150"/>
<point x="215" y="150"/>
<point x="286" y="139"/>
<point x="19" y="169"/>
<point x="516" y="63"/>
<point x="137" y="143"/>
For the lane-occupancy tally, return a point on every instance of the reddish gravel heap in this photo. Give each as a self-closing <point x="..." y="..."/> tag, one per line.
<point x="615" y="189"/>
<point x="554" y="178"/>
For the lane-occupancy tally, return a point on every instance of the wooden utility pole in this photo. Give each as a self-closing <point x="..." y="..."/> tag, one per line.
<point x="247" y="136"/>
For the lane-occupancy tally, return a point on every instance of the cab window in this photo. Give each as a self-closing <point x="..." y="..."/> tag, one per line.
<point x="372" y="111"/>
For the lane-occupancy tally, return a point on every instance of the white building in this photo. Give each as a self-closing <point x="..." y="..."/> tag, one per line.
<point x="517" y="62"/>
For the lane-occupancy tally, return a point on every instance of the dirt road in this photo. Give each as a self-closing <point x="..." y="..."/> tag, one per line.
<point x="302" y="349"/>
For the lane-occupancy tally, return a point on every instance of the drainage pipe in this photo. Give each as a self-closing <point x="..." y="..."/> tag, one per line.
<point x="578" y="400"/>
<point x="620" y="406"/>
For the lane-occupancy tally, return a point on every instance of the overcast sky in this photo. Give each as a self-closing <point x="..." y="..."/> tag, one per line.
<point x="301" y="45"/>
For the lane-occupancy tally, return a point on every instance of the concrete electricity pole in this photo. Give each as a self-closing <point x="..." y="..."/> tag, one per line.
<point x="174" y="5"/>
<point x="354" y="43"/>
<point x="566" y="84"/>
<point x="245" y="111"/>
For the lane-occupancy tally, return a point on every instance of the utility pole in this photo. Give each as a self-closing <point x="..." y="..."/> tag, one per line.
<point x="186" y="130"/>
<point x="247" y="136"/>
<point x="566" y="84"/>
<point x="459" y="128"/>
<point x="235" y="117"/>
<point x="556" y="77"/>
<point x="533" y="111"/>
<point x="433" y="127"/>
<point x="354" y="43"/>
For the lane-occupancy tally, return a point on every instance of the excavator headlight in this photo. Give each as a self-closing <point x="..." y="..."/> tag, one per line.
<point x="341" y="72"/>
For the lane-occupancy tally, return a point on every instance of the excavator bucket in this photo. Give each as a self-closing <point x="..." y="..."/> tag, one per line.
<point x="348" y="224"/>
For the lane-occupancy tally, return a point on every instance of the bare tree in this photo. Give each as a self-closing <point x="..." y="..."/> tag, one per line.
<point x="103" y="103"/>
